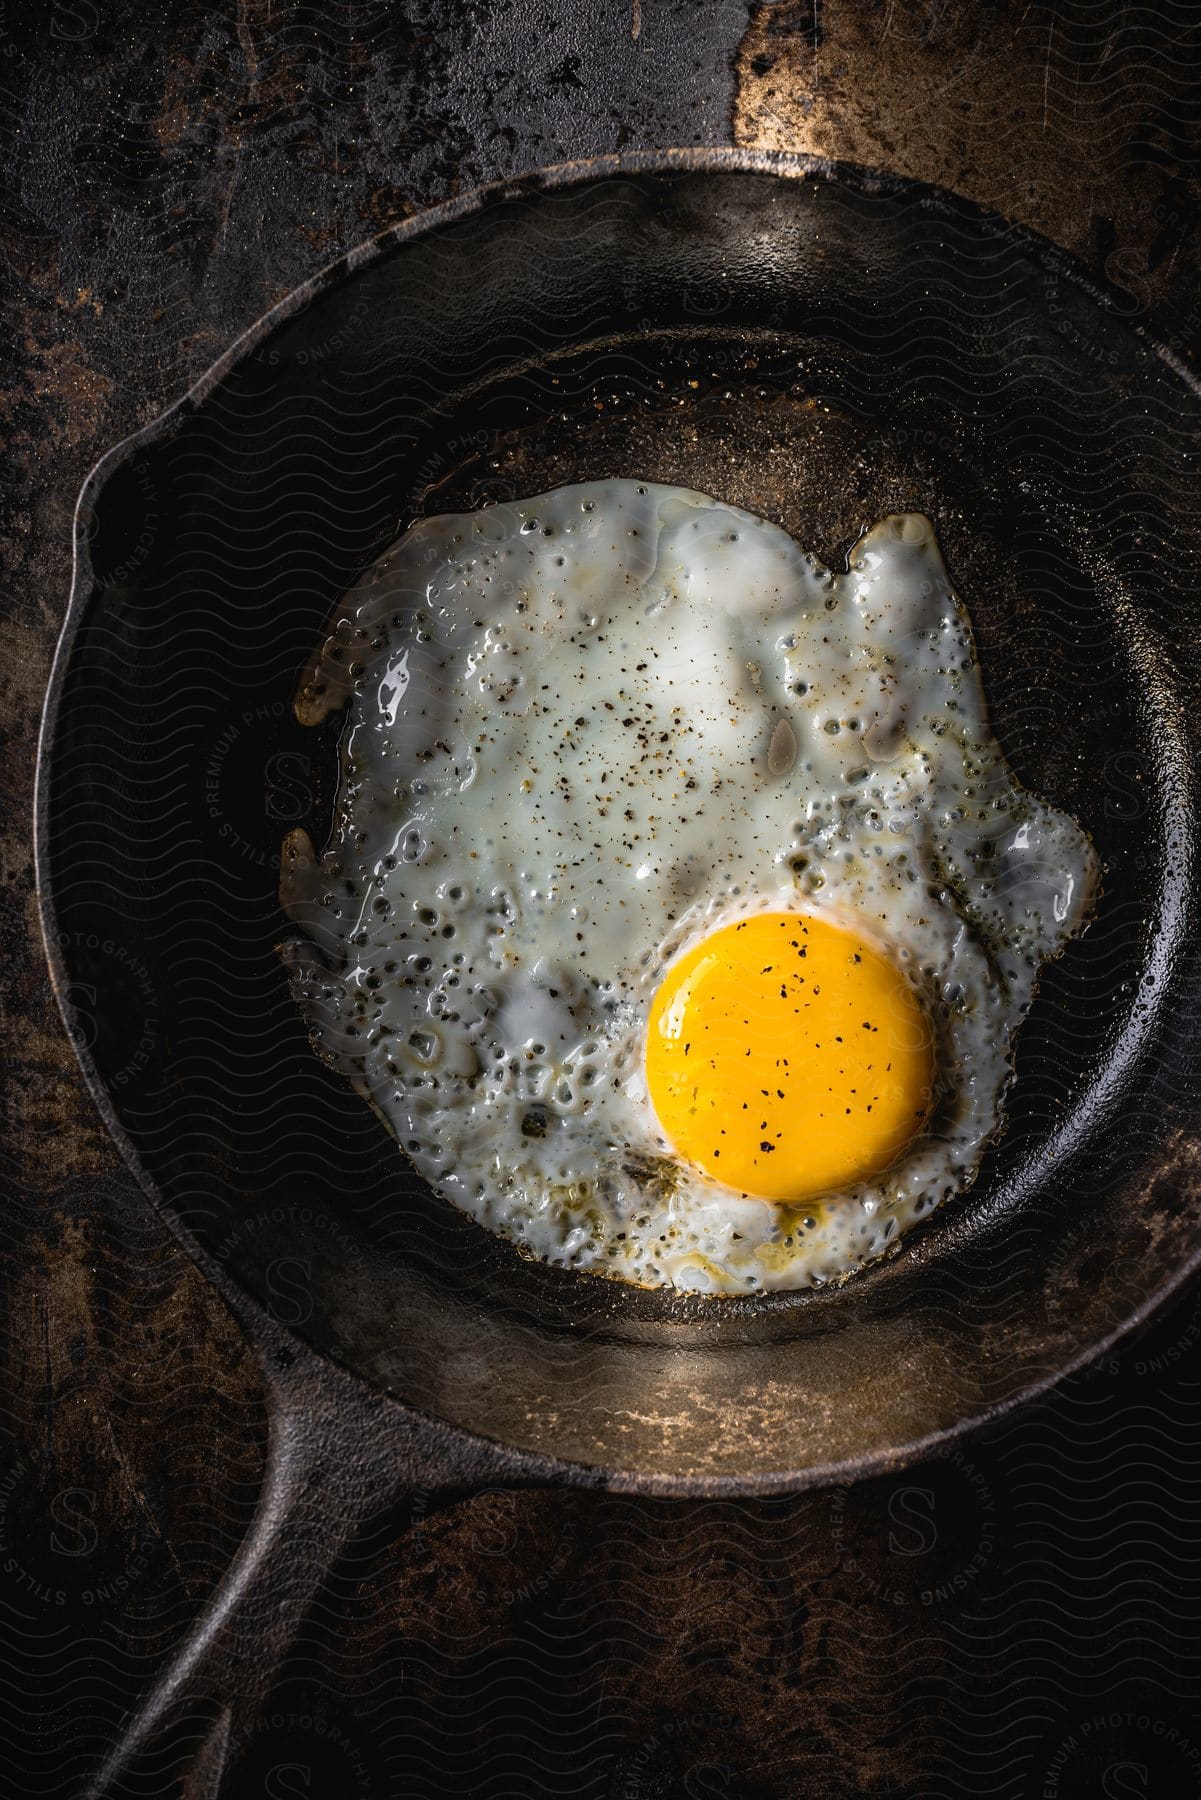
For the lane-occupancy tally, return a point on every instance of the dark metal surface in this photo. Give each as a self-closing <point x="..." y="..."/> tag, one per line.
<point x="337" y="1458"/>
<point x="1018" y="1619"/>
<point x="503" y="323"/>
<point x="728" y="304"/>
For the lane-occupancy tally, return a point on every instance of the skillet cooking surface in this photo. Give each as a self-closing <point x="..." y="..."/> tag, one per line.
<point x="816" y="345"/>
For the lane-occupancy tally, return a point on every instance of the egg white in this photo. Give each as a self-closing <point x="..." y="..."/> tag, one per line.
<point x="585" y="729"/>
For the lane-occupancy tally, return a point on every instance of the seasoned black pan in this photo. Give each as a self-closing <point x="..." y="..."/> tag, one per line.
<point x="822" y="346"/>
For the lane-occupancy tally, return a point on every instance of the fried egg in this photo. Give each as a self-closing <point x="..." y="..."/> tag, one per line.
<point x="681" y="907"/>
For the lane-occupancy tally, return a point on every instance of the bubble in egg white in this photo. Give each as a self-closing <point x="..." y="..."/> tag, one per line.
<point x="584" y="730"/>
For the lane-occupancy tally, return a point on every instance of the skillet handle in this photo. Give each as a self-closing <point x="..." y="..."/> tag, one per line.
<point x="337" y="1453"/>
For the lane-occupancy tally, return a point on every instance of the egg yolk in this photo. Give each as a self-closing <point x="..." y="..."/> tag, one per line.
<point x="788" y="1058"/>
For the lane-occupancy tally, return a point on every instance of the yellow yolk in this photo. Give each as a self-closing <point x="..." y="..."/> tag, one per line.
<point x="788" y="1058"/>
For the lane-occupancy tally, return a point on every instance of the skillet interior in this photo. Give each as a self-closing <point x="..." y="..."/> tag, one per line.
<point x="820" y="347"/>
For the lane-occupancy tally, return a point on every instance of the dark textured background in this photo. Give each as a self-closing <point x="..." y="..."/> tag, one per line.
<point x="1017" y="1619"/>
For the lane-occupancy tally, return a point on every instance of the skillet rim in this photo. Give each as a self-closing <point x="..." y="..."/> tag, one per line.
<point x="250" y="1312"/>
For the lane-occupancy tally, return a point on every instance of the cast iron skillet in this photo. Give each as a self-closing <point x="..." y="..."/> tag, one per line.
<point x="813" y="342"/>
